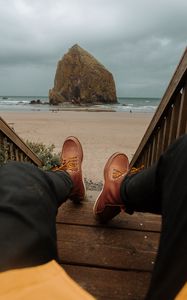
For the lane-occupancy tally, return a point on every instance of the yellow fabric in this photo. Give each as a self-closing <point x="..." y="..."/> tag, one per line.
<point x="45" y="282"/>
<point x="182" y="294"/>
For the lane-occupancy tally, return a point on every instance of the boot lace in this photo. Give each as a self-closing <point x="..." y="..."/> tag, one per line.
<point x="136" y="170"/>
<point x="71" y="165"/>
<point x="116" y="174"/>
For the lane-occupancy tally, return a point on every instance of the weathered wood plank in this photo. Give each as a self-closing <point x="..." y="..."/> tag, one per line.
<point x="83" y="215"/>
<point x="91" y="252"/>
<point x="110" y="284"/>
<point x="107" y="247"/>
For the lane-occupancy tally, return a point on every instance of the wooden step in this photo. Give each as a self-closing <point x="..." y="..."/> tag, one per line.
<point x="112" y="261"/>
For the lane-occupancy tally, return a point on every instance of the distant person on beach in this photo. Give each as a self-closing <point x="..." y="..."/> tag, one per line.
<point x="30" y="199"/>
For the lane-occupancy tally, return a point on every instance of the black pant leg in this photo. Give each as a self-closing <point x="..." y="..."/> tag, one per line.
<point x="170" y="272"/>
<point x="163" y="189"/>
<point x="29" y="199"/>
<point x="140" y="193"/>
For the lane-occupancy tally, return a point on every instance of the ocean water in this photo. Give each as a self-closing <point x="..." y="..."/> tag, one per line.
<point x="125" y="104"/>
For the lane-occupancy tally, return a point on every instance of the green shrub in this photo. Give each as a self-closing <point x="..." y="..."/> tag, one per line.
<point x="2" y="155"/>
<point x="45" y="154"/>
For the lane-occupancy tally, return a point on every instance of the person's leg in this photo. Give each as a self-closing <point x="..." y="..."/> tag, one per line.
<point x="170" y="272"/>
<point x="139" y="191"/>
<point x="29" y="199"/>
<point x="163" y="189"/>
<point x="123" y="190"/>
<point x="159" y="189"/>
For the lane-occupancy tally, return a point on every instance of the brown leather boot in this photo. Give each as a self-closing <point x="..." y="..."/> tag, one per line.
<point x="109" y="203"/>
<point x="71" y="162"/>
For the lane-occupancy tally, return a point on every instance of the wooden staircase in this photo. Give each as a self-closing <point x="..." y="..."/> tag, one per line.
<point x="114" y="261"/>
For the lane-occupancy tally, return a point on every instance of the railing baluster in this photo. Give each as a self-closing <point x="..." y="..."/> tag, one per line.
<point x="150" y="154"/>
<point x="17" y="154"/>
<point x="174" y="118"/>
<point x="158" y="143"/>
<point x="155" y="147"/>
<point x="167" y="128"/>
<point x="146" y="158"/>
<point x="11" y="151"/>
<point x="181" y="128"/>
<point x="153" y="150"/>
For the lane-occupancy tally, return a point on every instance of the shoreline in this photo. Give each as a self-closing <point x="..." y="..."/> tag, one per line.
<point x="34" y="108"/>
<point x="123" y="104"/>
<point x="101" y="134"/>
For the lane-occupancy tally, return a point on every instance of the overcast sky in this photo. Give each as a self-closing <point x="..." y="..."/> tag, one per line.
<point x="139" y="41"/>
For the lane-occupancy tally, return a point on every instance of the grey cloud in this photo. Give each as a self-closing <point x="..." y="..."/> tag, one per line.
<point x="140" y="42"/>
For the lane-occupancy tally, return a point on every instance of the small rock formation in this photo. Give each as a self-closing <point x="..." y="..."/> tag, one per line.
<point x="38" y="101"/>
<point x="80" y="78"/>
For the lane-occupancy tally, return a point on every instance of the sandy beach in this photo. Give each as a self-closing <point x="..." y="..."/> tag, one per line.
<point x="101" y="133"/>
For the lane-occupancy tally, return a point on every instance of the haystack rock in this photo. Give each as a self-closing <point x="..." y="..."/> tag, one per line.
<point x="80" y="78"/>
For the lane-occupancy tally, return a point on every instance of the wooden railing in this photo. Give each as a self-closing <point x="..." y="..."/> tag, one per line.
<point x="13" y="148"/>
<point x="169" y="121"/>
